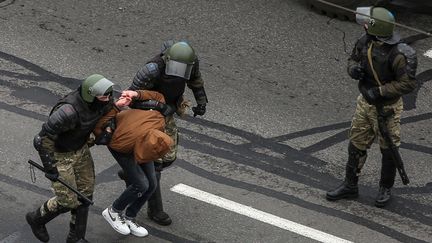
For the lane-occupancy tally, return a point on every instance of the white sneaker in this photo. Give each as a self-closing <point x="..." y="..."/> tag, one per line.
<point x="135" y="228"/>
<point x="116" y="221"/>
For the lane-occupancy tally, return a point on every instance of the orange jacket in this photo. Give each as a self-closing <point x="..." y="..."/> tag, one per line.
<point x="139" y="131"/>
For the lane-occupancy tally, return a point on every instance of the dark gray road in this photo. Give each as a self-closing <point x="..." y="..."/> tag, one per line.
<point x="274" y="137"/>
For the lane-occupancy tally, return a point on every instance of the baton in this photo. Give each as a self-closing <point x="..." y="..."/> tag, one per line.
<point x="79" y="194"/>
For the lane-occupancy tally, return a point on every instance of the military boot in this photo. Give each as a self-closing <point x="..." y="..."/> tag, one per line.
<point x="388" y="174"/>
<point x="349" y="188"/>
<point x="78" y="228"/>
<point x="155" y="208"/>
<point x="383" y="197"/>
<point x="37" y="221"/>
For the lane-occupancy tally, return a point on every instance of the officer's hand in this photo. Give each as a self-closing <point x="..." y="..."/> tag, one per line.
<point x="52" y="173"/>
<point x="372" y="95"/>
<point x="199" y="110"/>
<point x="129" y="94"/>
<point x="356" y="72"/>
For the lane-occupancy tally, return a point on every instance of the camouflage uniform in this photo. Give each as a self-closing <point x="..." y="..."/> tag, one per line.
<point x="385" y="68"/>
<point x="76" y="168"/>
<point x="62" y="147"/>
<point x="364" y="126"/>
<point x="172" y="131"/>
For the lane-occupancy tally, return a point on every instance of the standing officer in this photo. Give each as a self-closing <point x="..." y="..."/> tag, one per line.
<point x="386" y="69"/>
<point x="168" y="73"/>
<point x="62" y="147"/>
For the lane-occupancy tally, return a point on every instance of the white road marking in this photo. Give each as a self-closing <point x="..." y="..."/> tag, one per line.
<point x="256" y="214"/>
<point x="428" y="53"/>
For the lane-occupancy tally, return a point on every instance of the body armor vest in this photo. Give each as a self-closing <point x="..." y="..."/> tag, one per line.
<point x="382" y="61"/>
<point x="76" y="138"/>
<point x="171" y="87"/>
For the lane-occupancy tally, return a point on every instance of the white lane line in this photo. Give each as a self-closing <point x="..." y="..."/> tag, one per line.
<point x="256" y="214"/>
<point x="428" y="53"/>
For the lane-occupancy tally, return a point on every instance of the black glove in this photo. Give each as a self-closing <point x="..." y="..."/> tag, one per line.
<point x="51" y="173"/>
<point x="105" y="137"/>
<point x="372" y="95"/>
<point x="199" y="110"/>
<point x="356" y="72"/>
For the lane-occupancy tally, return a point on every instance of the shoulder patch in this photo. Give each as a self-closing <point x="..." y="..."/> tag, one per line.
<point x="152" y="69"/>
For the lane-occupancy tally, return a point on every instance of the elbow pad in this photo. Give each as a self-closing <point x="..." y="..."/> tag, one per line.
<point x="61" y="120"/>
<point x="46" y="157"/>
<point x="144" y="77"/>
<point x="411" y="59"/>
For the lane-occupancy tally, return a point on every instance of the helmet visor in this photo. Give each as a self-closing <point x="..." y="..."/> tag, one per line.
<point x="178" y="69"/>
<point x="363" y="15"/>
<point x="101" y="88"/>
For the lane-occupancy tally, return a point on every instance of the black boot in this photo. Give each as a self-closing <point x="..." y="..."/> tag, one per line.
<point x="155" y="208"/>
<point x="37" y="221"/>
<point x="78" y="229"/>
<point x="383" y="197"/>
<point x="349" y="188"/>
<point x="388" y="174"/>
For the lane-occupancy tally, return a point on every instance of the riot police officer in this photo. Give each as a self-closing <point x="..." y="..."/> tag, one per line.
<point x="62" y="147"/>
<point x="169" y="72"/>
<point x="386" y="69"/>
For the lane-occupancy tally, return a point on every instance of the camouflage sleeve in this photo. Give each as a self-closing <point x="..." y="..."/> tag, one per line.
<point x="196" y="84"/>
<point x="404" y="66"/>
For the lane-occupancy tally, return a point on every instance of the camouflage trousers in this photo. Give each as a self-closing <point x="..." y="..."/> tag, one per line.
<point x="172" y="131"/>
<point x="364" y="126"/>
<point x="76" y="168"/>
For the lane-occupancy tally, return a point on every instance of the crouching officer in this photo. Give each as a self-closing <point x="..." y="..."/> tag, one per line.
<point x="386" y="70"/>
<point x="62" y="147"/>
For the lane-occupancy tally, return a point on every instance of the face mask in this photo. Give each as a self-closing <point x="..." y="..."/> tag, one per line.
<point x="99" y="105"/>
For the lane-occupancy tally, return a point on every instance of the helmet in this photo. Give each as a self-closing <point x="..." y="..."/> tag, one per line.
<point x="95" y="85"/>
<point x="379" y="22"/>
<point x="179" y="59"/>
<point x="379" y="28"/>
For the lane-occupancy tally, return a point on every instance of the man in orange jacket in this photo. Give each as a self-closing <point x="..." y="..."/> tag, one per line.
<point x="136" y="138"/>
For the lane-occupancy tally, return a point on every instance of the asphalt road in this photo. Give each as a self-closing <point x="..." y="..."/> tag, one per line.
<point x="274" y="137"/>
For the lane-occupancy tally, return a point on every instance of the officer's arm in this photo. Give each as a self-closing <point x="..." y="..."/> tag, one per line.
<point x="196" y="84"/>
<point x="355" y="58"/>
<point x="404" y="66"/>
<point x="61" y="120"/>
<point x="145" y="77"/>
<point x="152" y="100"/>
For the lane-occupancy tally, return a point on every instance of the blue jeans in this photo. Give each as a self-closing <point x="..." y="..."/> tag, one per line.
<point x="142" y="183"/>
